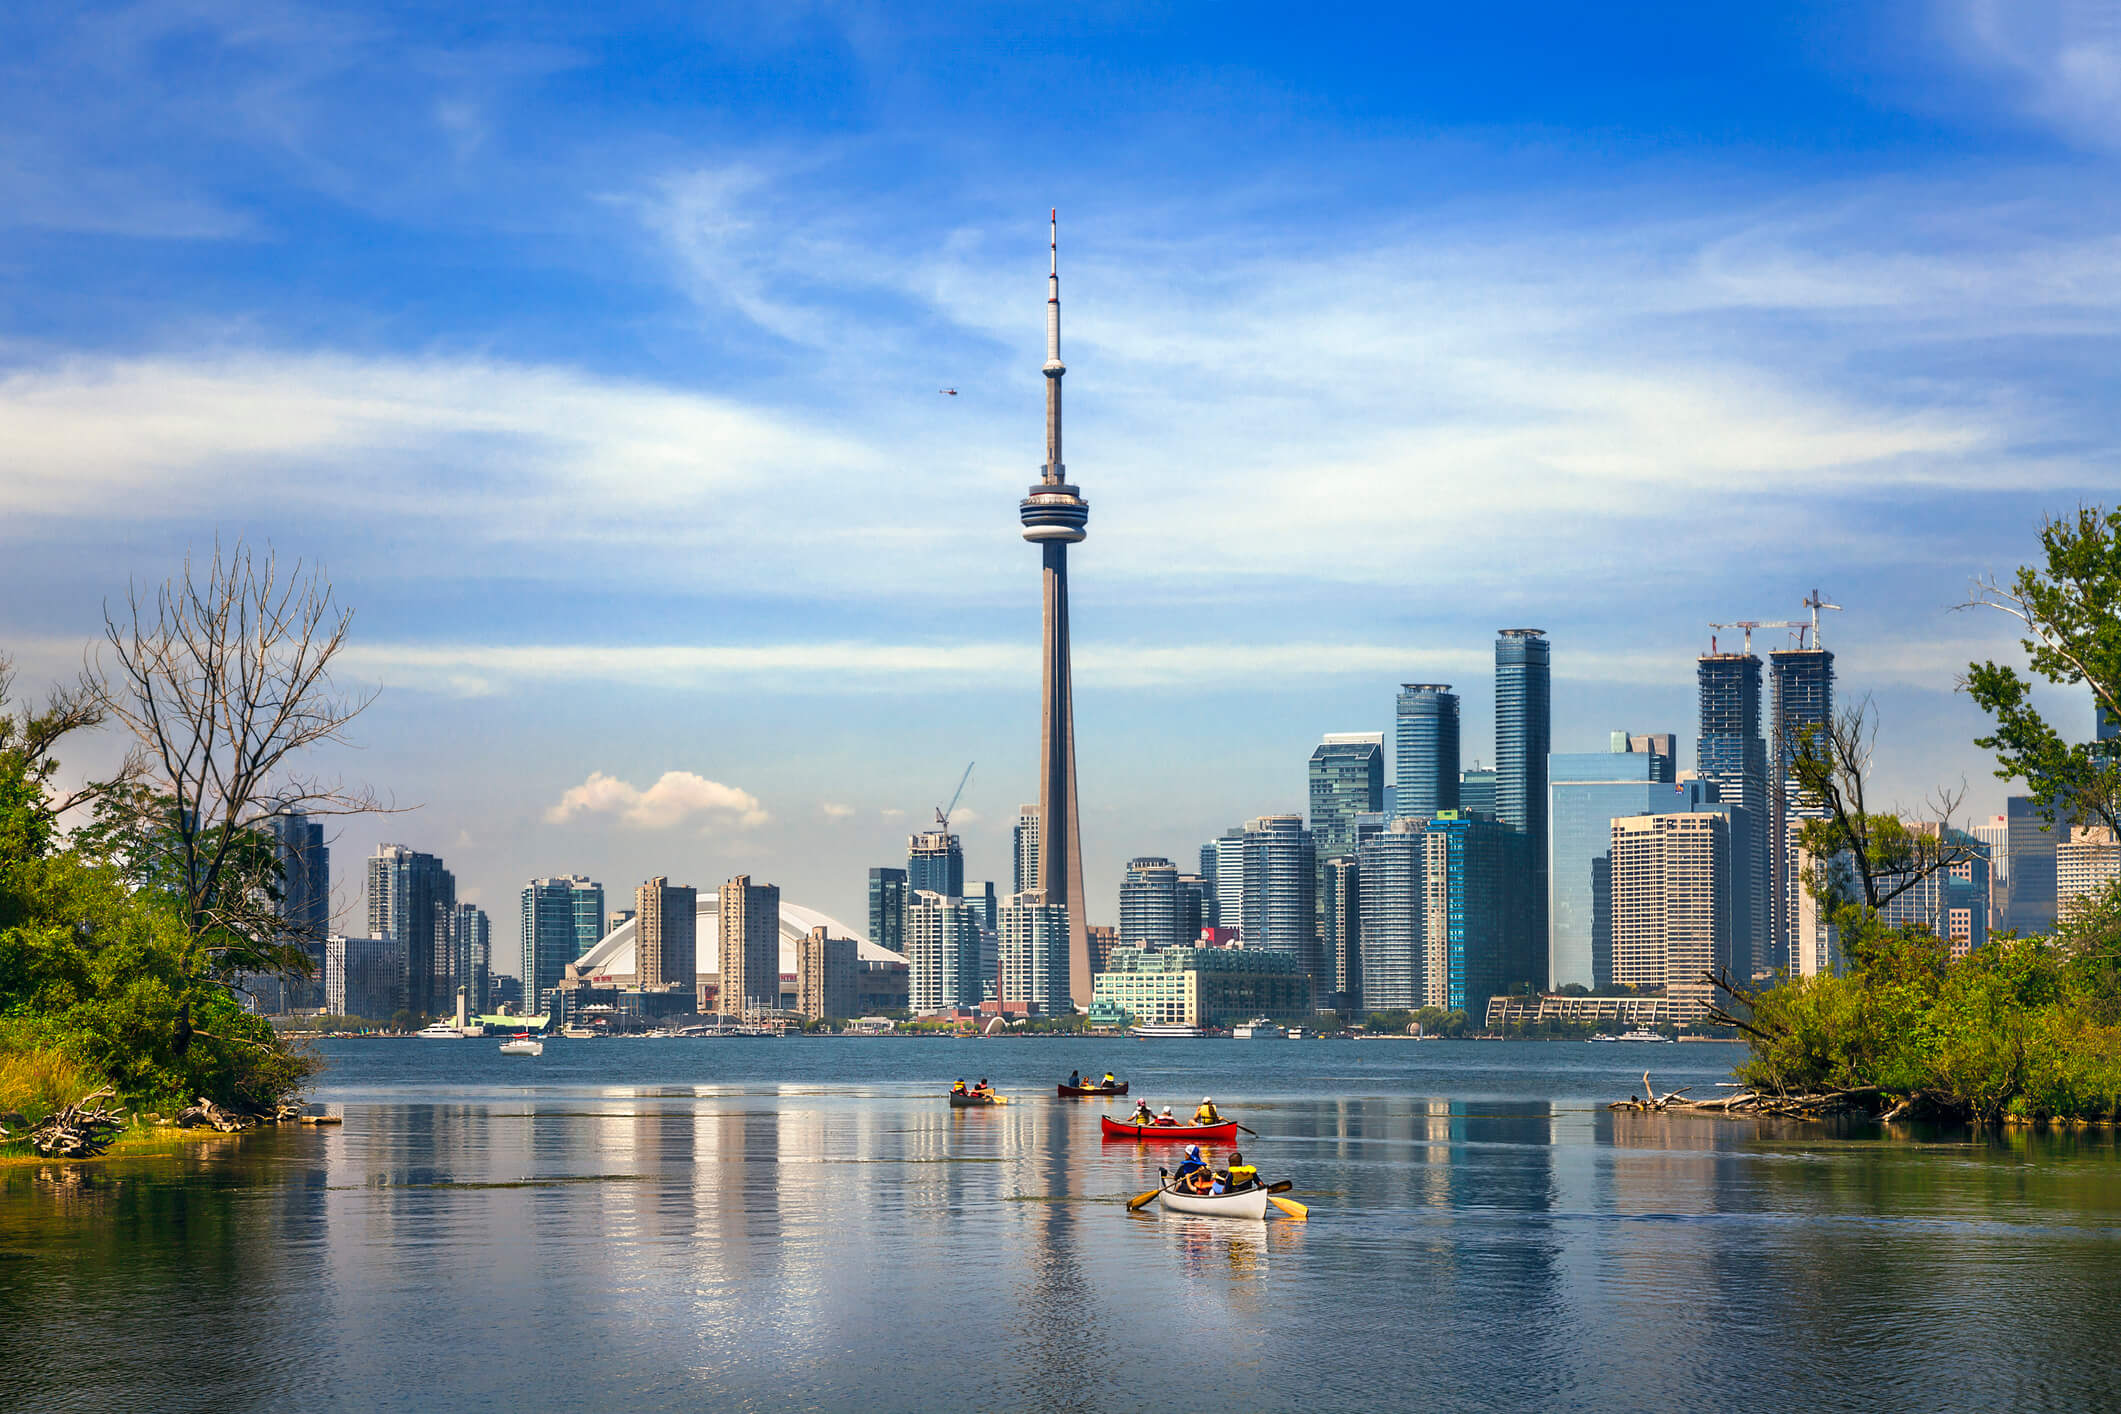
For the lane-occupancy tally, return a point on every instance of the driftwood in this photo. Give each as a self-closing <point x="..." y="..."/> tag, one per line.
<point x="1866" y="1100"/>
<point x="80" y="1130"/>
<point x="207" y="1113"/>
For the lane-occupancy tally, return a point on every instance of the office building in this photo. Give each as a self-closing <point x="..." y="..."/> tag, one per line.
<point x="562" y="918"/>
<point x="409" y="893"/>
<point x="2085" y="864"/>
<point x="1034" y="954"/>
<point x="1802" y="702"/>
<point x="935" y="861"/>
<point x="1210" y="908"/>
<point x="1230" y="879"/>
<point x="1280" y="902"/>
<point x="305" y="896"/>
<point x="363" y="977"/>
<point x="1476" y="792"/>
<point x="1731" y="757"/>
<point x="1524" y="738"/>
<point x="1953" y="903"/>
<point x="943" y="954"/>
<point x="666" y="935"/>
<point x="1671" y="905"/>
<point x="1587" y="791"/>
<point x="1425" y="762"/>
<point x="1473" y="923"/>
<point x="1200" y="986"/>
<point x="1194" y="903"/>
<point x="1340" y="887"/>
<point x="1390" y="911"/>
<point x="887" y="909"/>
<point x="2030" y="860"/>
<point x="1347" y="778"/>
<point x="1148" y="904"/>
<point x="1025" y="842"/>
<point x="471" y="940"/>
<point x="749" y="941"/>
<point x="825" y="976"/>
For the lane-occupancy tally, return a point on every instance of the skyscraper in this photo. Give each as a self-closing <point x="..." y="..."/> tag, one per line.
<point x="1802" y="699"/>
<point x="562" y="918"/>
<point x="887" y="909"/>
<point x="1476" y="792"/>
<point x="1472" y="930"/>
<point x="305" y="892"/>
<point x="1340" y="942"/>
<point x="1054" y="517"/>
<point x="2032" y="850"/>
<point x="666" y="935"/>
<point x="750" y="946"/>
<point x="1425" y="764"/>
<point x="1230" y="879"/>
<point x="1193" y="906"/>
<point x="1148" y="903"/>
<point x="408" y="894"/>
<point x="942" y="950"/>
<point x="1391" y="913"/>
<point x="1588" y="791"/>
<point x="1024" y="838"/>
<point x="1280" y="873"/>
<point x="1731" y="757"/>
<point x="1671" y="905"/>
<point x="1034" y="953"/>
<point x="935" y="861"/>
<point x="1524" y="735"/>
<point x="471" y="939"/>
<point x="1347" y="778"/>
<point x="826" y="969"/>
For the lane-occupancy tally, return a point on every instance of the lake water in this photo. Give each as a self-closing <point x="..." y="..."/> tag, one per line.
<point x="744" y="1224"/>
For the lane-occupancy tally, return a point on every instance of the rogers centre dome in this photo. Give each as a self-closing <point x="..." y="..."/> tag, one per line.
<point x="614" y="955"/>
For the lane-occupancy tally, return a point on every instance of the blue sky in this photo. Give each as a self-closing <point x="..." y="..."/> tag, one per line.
<point x="594" y="353"/>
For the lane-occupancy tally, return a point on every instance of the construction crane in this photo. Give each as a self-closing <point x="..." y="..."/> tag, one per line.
<point x="1750" y="624"/>
<point x="1815" y="603"/>
<point x="942" y="812"/>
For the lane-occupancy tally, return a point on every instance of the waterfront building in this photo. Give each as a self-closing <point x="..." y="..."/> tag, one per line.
<point x="305" y="896"/>
<point x="1476" y="792"/>
<point x="1193" y="907"/>
<point x="1802" y="701"/>
<point x="1671" y="905"/>
<point x="1148" y="904"/>
<point x="1340" y="885"/>
<point x="1281" y="910"/>
<point x="1210" y="908"/>
<point x="935" y="861"/>
<point x="2031" y="859"/>
<point x="1390" y="916"/>
<point x="1055" y="516"/>
<point x="1425" y="763"/>
<point x="408" y="894"/>
<point x="363" y="977"/>
<point x="1524" y="738"/>
<point x="1587" y="791"/>
<point x="1230" y="879"/>
<point x="1731" y="757"/>
<point x="1034" y="954"/>
<point x="1202" y="986"/>
<point x="749" y="942"/>
<point x="471" y="940"/>
<point x="562" y="918"/>
<point x="1953" y="903"/>
<point x="887" y="908"/>
<point x="943" y="953"/>
<point x="666" y="946"/>
<point x="2085" y="864"/>
<point x="825" y="976"/>
<point x="1473" y="924"/>
<point x="1025" y="848"/>
<point x="1347" y="778"/>
<point x="1631" y="1012"/>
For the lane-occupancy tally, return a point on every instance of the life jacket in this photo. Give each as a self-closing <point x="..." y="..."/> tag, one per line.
<point x="1207" y="1114"/>
<point x="1242" y="1174"/>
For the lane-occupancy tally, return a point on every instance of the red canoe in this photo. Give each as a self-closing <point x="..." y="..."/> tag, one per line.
<point x="1191" y="1133"/>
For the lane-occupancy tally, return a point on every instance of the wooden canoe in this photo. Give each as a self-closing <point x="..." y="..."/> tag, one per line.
<point x="1078" y="1090"/>
<point x="1190" y="1133"/>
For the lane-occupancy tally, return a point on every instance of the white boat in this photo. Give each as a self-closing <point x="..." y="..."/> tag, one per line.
<point x="443" y="1030"/>
<point x="1296" y="1033"/>
<point x="1643" y="1036"/>
<point x="522" y="1046"/>
<point x="1167" y="1030"/>
<point x="1250" y="1203"/>
<point x="1259" y="1028"/>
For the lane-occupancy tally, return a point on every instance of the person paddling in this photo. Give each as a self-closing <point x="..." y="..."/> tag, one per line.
<point x="1207" y="1113"/>
<point x="1191" y="1164"/>
<point x="1075" y="1080"/>
<point x="1109" y="1081"/>
<point x="1167" y="1118"/>
<point x="1143" y="1115"/>
<point x="958" y="1088"/>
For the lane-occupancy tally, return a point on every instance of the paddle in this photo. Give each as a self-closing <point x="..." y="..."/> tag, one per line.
<point x="1136" y="1204"/>
<point x="1282" y="1187"/>
<point x="1253" y="1132"/>
<point x="1288" y="1205"/>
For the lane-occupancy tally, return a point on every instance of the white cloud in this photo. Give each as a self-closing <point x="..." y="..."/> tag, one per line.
<point x="676" y="797"/>
<point x="832" y="810"/>
<point x="2060" y="61"/>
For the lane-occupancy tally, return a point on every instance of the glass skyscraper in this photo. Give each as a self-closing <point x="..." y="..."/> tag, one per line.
<point x="1280" y="905"/>
<point x="1732" y="758"/>
<point x="1425" y="763"/>
<point x="562" y="918"/>
<point x="1476" y="792"/>
<point x="943" y="953"/>
<point x="410" y="899"/>
<point x="1471" y="932"/>
<point x="1390" y="916"/>
<point x="1023" y="838"/>
<point x="887" y="909"/>
<point x="1803" y="698"/>
<point x="1340" y="939"/>
<point x="305" y="895"/>
<point x="1524" y="735"/>
<point x="1148" y="904"/>
<point x="1588" y="791"/>
<point x="1347" y="778"/>
<point x="1230" y="879"/>
<point x="935" y="863"/>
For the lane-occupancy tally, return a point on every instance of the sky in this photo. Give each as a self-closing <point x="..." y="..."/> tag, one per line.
<point x="594" y="355"/>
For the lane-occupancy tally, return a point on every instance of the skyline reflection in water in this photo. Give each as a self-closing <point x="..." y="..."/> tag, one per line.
<point x="806" y="1224"/>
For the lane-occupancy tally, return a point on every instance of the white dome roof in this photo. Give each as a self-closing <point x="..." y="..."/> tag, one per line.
<point x="614" y="955"/>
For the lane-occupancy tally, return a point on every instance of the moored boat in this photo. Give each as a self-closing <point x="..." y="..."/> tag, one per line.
<point x="1191" y="1133"/>
<point x="523" y="1045"/>
<point x="1259" y="1028"/>
<point x="1245" y="1203"/>
<point x="1167" y="1031"/>
<point x="1078" y="1090"/>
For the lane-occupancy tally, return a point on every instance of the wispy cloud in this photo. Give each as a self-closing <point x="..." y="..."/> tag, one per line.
<point x="675" y="798"/>
<point x="832" y="810"/>
<point x="2059" y="61"/>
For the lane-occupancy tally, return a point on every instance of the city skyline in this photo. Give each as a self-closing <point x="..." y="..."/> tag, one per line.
<point x="619" y="422"/>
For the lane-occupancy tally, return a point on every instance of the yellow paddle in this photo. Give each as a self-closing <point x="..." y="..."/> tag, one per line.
<point x="1290" y="1206"/>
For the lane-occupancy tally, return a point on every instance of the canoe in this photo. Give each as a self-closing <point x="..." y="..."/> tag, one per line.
<point x="1191" y="1133"/>
<point x="1119" y="1089"/>
<point x="1250" y="1203"/>
<point x="967" y="1102"/>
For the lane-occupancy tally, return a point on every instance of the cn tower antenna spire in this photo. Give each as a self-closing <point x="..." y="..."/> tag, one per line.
<point x="1054" y="369"/>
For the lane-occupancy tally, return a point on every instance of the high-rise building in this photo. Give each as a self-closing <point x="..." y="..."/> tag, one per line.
<point x="1391" y="914"/>
<point x="1732" y="758"/>
<point x="986" y="905"/>
<point x="1034" y="953"/>
<point x="1210" y="868"/>
<point x="935" y="861"/>
<point x="1148" y="903"/>
<point x="1230" y="879"/>
<point x="1347" y="778"/>
<point x="408" y="894"/>
<point x="825" y="976"/>
<point x="887" y="909"/>
<point x="943" y="954"/>
<point x="363" y="977"/>
<point x="750" y="947"/>
<point x="1193" y="907"/>
<point x="1024" y="840"/>
<point x="986" y="901"/>
<point x="2085" y="864"/>
<point x="305" y="894"/>
<point x="1280" y="905"/>
<point x="1425" y="763"/>
<point x="1801" y="701"/>
<point x="1524" y="737"/>
<point x="1588" y="791"/>
<point x="1671" y="905"/>
<point x="562" y="919"/>
<point x="1476" y="792"/>
<point x="2032" y="860"/>
<point x="666" y="936"/>
<point x="1054" y="517"/>
<point x="1473" y="925"/>
<point x="1952" y="903"/>
<point x="471" y="940"/>
<point x="1340" y="942"/>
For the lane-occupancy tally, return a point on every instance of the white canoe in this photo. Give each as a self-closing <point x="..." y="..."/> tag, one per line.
<point x="1251" y="1203"/>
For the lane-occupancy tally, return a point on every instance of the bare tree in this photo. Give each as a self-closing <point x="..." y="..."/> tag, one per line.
<point x="30" y="737"/>
<point x="224" y="682"/>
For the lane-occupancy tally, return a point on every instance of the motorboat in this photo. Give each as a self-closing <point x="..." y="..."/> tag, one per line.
<point x="1296" y="1033"/>
<point x="523" y="1044"/>
<point x="1225" y="1133"/>
<point x="1167" y="1031"/>
<point x="1259" y="1028"/>
<point x="442" y="1030"/>
<point x="1640" y="1035"/>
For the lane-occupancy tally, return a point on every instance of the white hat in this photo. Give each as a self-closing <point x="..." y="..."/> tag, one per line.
<point x="1207" y="1100"/>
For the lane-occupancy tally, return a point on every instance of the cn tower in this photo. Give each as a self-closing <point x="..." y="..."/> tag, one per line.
<point x="1054" y="517"/>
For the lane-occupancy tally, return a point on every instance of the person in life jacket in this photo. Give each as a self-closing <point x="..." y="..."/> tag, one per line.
<point x="1207" y="1113"/>
<point x="1075" y="1080"/>
<point x="1142" y="1113"/>
<point x="1192" y="1163"/>
<point x="1240" y="1173"/>
<point x="1109" y="1081"/>
<point x="1166" y="1117"/>
<point x="958" y="1088"/>
<point x="983" y="1089"/>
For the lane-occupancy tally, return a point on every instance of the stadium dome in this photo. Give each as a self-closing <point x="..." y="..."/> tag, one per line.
<point x="613" y="956"/>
